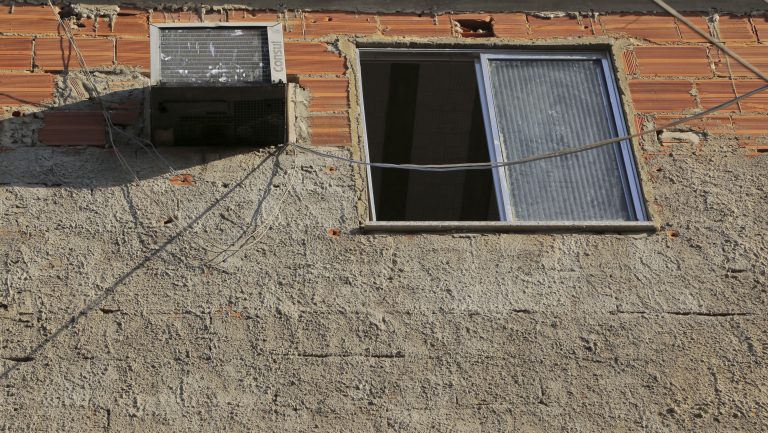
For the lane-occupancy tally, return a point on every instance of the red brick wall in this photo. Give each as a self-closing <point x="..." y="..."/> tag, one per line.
<point x="671" y="71"/>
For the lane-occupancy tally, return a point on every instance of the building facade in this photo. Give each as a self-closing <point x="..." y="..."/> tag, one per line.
<point x="254" y="288"/>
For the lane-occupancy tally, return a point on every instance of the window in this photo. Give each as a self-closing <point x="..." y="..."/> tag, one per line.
<point x="446" y="107"/>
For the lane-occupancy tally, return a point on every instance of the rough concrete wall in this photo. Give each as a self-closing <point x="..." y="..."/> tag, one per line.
<point x="114" y="319"/>
<point x="119" y="312"/>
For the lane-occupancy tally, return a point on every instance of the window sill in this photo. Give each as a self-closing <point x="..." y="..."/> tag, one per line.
<point x="512" y="227"/>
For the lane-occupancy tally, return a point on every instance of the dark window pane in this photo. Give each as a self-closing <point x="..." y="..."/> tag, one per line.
<point x="426" y="111"/>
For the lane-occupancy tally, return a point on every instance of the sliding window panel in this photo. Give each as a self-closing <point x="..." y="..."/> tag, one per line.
<point x="542" y="105"/>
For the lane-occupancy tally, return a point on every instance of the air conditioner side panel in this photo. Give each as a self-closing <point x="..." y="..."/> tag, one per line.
<point x="276" y="53"/>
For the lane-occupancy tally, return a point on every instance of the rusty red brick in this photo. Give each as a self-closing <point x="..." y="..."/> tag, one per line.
<point x="719" y="124"/>
<point x="755" y="103"/>
<point x="28" y="19"/>
<point x="330" y="130"/>
<point x="655" y="28"/>
<point x="328" y="94"/>
<point x="125" y="117"/>
<point x="15" y="53"/>
<point x="559" y="27"/>
<point x="736" y="29"/>
<point x="311" y="58"/>
<point x="56" y="54"/>
<point x="511" y="25"/>
<point x="133" y="53"/>
<point x="25" y="88"/>
<point x="761" y="27"/>
<point x="750" y="125"/>
<point x="421" y="25"/>
<point x="73" y="128"/>
<point x="673" y="61"/>
<point x="182" y="180"/>
<point x="339" y="23"/>
<point x="688" y="34"/>
<point x="630" y="62"/>
<point x="649" y="96"/>
<point x="244" y="15"/>
<point x="757" y="55"/>
<point x="715" y="92"/>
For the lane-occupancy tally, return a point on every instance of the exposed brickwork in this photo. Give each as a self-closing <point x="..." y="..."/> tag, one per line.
<point x="57" y="54"/>
<point x="133" y="53"/>
<point x="760" y="24"/>
<point x="175" y="17"/>
<point x="312" y="58"/>
<point x="342" y="23"/>
<point x="330" y="130"/>
<point x="750" y="125"/>
<point x="25" y="88"/>
<point x="15" y="53"/>
<point x="736" y="29"/>
<point x="715" y="124"/>
<point x="714" y="92"/>
<point x="252" y="16"/>
<point x="412" y="25"/>
<point x="655" y="28"/>
<point x="128" y="23"/>
<point x="755" y="103"/>
<point x="27" y="19"/>
<point x="559" y="27"/>
<point x="662" y="96"/>
<point x="756" y="55"/>
<point x="73" y="128"/>
<point x="510" y="25"/>
<point x="673" y="61"/>
<point x="689" y="35"/>
<point x="328" y="94"/>
<point x="673" y="70"/>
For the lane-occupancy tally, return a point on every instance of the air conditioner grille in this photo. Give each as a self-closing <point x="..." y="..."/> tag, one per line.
<point x="219" y="55"/>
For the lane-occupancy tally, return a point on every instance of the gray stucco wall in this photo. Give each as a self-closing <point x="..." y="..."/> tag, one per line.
<point x="121" y="323"/>
<point x="117" y="314"/>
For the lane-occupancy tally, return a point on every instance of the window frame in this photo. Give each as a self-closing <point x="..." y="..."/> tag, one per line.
<point x="624" y="152"/>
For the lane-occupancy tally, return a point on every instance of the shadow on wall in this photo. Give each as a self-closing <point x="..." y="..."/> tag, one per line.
<point x="19" y="359"/>
<point x="66" y="142"/>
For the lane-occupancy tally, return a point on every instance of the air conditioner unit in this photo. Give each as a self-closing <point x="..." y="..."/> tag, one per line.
<point x="218" y="84"/>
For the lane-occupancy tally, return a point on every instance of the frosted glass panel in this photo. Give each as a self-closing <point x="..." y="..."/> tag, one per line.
<point x="546" y="105"/>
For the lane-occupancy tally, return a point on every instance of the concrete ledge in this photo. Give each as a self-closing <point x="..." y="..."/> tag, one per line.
<point x="512" y="227"/>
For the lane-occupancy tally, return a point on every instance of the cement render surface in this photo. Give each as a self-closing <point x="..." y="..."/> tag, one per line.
<point x="120" y="323"/>
<point x="117" y="313"/>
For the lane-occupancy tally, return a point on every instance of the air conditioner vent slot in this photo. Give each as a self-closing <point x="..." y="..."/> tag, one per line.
<point x="219" y="116"/>
<point x="214" y="55"/>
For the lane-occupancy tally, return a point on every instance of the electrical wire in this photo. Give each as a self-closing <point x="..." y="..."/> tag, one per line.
<point x="440" y="167"/>
<point x="662" y="4"/>
<point x="261" y="231"/>
<point x="94" y="87"/>
<point x="566" y="151"/>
